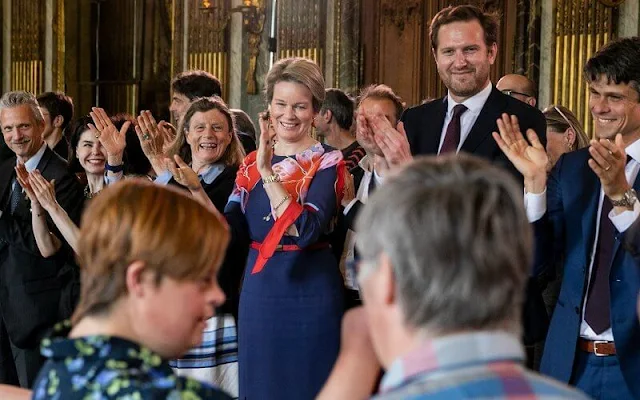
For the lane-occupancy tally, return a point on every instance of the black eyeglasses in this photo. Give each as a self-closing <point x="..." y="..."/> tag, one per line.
<point x="510" y="92"/>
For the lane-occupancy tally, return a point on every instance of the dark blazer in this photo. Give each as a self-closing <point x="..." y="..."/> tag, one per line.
<point x="30" y="285"/>
<point x="424" y="124"/>
<point x="572" y="204"/>
<point x="63" y="149"/>
<point x="232" y="268"/>
<point x="220" y="189"/>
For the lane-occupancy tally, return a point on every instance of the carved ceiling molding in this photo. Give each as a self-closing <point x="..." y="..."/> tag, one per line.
<point x="400" y="12"/>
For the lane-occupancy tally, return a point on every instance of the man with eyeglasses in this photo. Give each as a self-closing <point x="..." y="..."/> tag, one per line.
<point x="442" y="289"/>
<point x="519" y="87"/>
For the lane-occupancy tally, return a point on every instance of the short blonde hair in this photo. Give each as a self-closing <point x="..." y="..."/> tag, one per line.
<point x="136" y="220"/>
<point x="299" y="70"/>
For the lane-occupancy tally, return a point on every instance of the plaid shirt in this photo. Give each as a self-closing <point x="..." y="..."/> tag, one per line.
<point x="474" y="365"/>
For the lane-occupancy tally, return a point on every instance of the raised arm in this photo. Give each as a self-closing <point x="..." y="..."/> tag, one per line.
<point x="356" y="371"/>
<point x="113" y="140"/>
<point x="529" y="159"/>
<point x="47" y="242"/>
<point x="46" y="196"/>
<point x="152" y="141"/>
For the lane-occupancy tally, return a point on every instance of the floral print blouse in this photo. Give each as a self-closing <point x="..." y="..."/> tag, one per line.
<point x="103" y="367"/>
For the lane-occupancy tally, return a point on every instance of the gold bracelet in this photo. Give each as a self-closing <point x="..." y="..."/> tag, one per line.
<point x="284" y="199"/>
<point x="270" y="179"/>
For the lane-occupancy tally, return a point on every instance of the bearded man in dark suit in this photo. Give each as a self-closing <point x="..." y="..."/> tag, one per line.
<point x="463" y="41"/>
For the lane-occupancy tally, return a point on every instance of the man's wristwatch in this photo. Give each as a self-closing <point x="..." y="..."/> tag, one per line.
<point x="628" y="199"/>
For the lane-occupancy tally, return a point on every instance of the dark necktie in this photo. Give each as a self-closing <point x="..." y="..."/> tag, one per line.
<point x="598" y="309"/>
<point x="452" y="136"/>
<point x="16" y="195"/>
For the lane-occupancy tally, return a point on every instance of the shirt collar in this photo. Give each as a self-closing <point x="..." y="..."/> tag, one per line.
<point x="366" y="163"/>
<point x="634" y="150"/>
<point x="211" y="173"/>
<point x="33" y="162"/>
<point x="452" y="352"/>
<point x="473" y="103"/>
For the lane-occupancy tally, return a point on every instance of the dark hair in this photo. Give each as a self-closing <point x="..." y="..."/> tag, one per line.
<point x="77" y="129"/>
<point x="341" y="107"/>
<point x="466" y="13"/>
<point x="135" y="162"/>
<point x="234" y="153"/>
<point x="382" y="92"/>
<point x="196" y="83"/>
<point x="243" y="123"/>
<point x="58" y="104"/>
<point x="617" y="61"/>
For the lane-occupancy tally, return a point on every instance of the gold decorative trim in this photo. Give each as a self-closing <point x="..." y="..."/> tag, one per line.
<point x="612" y="3"/>
<point x="399" y="12"/>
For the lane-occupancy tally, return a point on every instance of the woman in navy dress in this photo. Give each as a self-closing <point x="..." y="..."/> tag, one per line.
<point x="286" y="198"/>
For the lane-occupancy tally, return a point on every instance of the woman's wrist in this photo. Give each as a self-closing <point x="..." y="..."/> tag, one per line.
<point x="53" y="208"/>
<point x="115" y="159"/>
<point x="195" y="189"/>
<point x="266" y="173"/>
<point x="37" y="210"/>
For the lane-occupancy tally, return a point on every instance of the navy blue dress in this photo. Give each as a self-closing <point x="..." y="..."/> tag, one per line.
<point x="290" y="312"/>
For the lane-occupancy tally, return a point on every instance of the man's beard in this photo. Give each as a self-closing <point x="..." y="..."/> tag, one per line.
<point x="466" y="88"/>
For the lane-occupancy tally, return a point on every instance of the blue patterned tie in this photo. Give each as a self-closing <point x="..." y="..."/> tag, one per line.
<point x="16" y="195"/>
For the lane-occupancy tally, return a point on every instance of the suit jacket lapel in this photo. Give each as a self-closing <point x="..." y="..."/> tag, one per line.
<point x="432" y="140"/>
<point x="485" y="123"/>
<point x="46" y="156"/>
<point x="6" y="179"/>
<point x="24" y="205"/>
<point x="591" y="188"/>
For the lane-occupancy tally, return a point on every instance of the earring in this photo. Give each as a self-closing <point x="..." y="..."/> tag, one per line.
<point x="569" y="146"/>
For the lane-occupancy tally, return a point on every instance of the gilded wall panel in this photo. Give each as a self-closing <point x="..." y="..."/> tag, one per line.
<point x="200" y="37"/>
<point x="301" y="29"/>
<point x="580" y="29"/>
<point x="27" y="45"/>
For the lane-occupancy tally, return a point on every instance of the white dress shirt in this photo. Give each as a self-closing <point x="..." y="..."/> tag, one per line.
<point x="474" y="105"/>
<point x="348" y="252"/>
<point x="536" y="206"/>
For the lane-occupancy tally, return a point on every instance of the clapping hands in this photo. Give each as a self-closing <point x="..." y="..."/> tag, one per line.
<point x="529" y="159"/>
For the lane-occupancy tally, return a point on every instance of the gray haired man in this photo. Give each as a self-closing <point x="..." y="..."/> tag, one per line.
<point x="31" y="286"/>
<point x="446" y="251"/>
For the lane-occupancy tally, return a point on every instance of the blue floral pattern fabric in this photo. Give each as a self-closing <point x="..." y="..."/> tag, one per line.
<point x="104" y="367"/>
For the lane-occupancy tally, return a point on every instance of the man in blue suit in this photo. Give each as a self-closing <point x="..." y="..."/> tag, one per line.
<point x="586" y="207"/>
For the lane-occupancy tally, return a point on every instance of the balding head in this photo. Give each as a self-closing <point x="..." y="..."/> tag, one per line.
<point x="518" y="86"/>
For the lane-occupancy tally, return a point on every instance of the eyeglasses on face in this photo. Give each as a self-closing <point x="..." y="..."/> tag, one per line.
<point x="510" y="92"/>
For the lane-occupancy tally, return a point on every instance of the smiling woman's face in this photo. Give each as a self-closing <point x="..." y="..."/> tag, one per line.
<point x="292" y="111"/>
<point x="90" y="153"/>
<point x="208" y="136"/>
